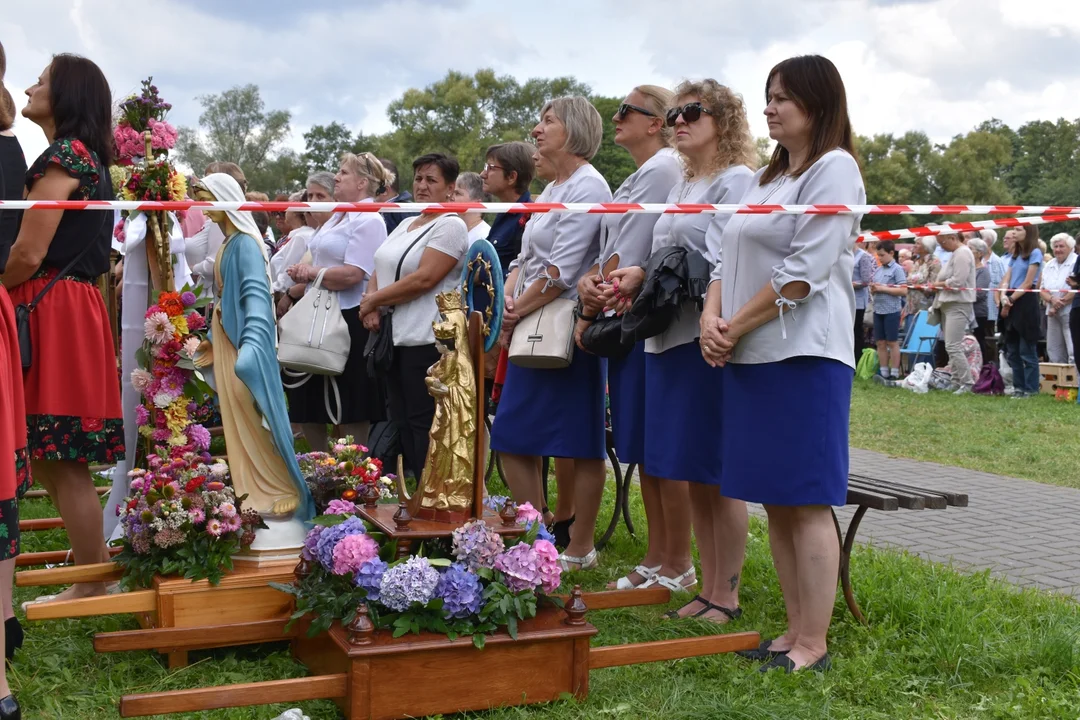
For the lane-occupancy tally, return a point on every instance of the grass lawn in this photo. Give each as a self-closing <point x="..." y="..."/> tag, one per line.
<point x="1037" y="439"/>
<point x="939" y="645"/>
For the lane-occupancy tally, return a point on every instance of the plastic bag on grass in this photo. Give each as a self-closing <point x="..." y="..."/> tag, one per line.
<point x="919" y="379"/>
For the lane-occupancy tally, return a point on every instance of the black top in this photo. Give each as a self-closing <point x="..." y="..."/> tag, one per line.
<point x="12" y="171"/>
<point x="393" y="219"/>
<point x="1076" y="276"/>
<point x="506" y="232"/>
<point x="78" y="227"/>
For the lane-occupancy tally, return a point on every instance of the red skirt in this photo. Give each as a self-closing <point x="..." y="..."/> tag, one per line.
<point x="14" y="464"/>
<point x="72" y="388"/>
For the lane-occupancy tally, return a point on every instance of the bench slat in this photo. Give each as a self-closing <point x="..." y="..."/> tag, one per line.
<point x="936" y="499"/>
<point x="872" y="500"/>
<point x="907" y="501"/>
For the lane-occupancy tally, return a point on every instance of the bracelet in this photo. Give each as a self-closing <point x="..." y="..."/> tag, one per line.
<point x="594" y="318"/>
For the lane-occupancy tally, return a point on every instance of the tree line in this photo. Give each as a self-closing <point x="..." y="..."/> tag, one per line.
<point x="1035" y="164"/>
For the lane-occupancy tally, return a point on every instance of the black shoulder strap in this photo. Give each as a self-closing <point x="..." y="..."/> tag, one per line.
<point x="397" y="274"/>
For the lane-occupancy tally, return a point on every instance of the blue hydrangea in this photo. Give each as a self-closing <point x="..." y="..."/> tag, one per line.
<point x="369" y="578"/>
<point x="544" y="534"/>
<point x="460" y="591"/>
<point x="413" y="581"/>
<point x="331" y="536"/>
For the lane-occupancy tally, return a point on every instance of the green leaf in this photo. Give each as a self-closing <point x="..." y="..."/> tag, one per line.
<point x="440" y="562"/>
<point x="329" y="520"/>
<point x="478" y="640"/>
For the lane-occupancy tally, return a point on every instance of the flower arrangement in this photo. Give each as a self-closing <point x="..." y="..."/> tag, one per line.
<point x="139" y="113"/>
<point x="170" y="386"/>
<point x="344" y="476"/>
<point x="154" y="179"/>
<point x="182" y="518"/>
<point x="482" y="583"/>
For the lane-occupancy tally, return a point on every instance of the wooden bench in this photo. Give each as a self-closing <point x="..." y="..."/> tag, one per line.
<point x="868" y="493"/>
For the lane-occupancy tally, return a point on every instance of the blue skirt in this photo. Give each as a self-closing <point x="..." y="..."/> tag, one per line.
<point x="553" y="413"/>
<point x="786" y="435"/>
<point x="682" y="416"/>
<point x="626" y="393"/>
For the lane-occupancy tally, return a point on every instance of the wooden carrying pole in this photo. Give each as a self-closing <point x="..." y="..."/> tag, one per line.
<point x="322" y="687"/>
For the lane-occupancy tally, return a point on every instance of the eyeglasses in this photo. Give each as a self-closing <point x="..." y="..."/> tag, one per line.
<point x="625" y="109"/>
<point x="691" y="112"/>
<point x="488" y="167"/>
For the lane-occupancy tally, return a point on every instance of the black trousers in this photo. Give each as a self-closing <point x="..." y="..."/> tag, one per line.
<point x="1074" y="330"/>
<point x="411" y="407"/>
<point x="860" y="333"/>
<point x="984" y="333"/>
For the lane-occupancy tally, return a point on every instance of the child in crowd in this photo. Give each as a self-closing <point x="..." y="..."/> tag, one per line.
<point x="888" y="287"/>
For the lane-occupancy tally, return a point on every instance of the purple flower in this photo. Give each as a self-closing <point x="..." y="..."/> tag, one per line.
<point x="340" y="507"/>
<point x="198" y="436"/>
<point x="413" y="581"/>
<point x="495" y="502"/>
<point x="142" y="415"/>
<point x="352" y="552"/>
<point x="324" y="550"/>
<point x="369" y="578"/>
<point x="520" y="565"/>
<point x="476" y="545"/>
<point x="310" y="551"/>
<point x="460" y="591"/>
<point x="187" y="298"/>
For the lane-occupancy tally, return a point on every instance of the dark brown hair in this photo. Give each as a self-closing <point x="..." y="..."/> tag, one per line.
<point x="515" y="157"/>
<point x="3" y="62"/>
<point x="448" y="166"/>
<point x="815" y="85"/>
<point x="81" y="103"/>
<point x="1024" y="247"/>
<point x="7" y="109"/>
<point x="229" y="168"/>
<point x="887" y="246"/>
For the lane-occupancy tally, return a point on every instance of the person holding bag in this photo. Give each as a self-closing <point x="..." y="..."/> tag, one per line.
<point x="557" y="411"/>
<point x="344" y="247"/>
<point x="72" y="401"/>
<point x="682" y="393"/>
<point x="422" y="258"/>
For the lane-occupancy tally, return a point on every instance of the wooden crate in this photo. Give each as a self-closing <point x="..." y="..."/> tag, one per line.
<point x="1056" y="375"/>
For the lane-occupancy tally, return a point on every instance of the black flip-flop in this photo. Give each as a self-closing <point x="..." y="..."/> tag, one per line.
<point x="822" y="664"/>
<point x="674" y="614"/>
<point x="762" y="653"/>
<point x="732" y="614"/>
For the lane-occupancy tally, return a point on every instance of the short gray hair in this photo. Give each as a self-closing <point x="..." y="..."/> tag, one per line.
<point x="584" y="127"/>
<point x="989" y="237"/>
<point x="1069" y="240"/>
<point x="323" y="179"/>
<point x="977" y="246"/>
<point x="929" y="244"/>
<point x="472" y="184"/>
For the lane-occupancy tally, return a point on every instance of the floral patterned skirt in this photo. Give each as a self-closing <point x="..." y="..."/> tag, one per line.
<point x="14" y="461"/>
<point x="71" y="389"/>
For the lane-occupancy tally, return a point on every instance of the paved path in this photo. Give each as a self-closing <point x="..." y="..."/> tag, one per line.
<point x="1023" y="531"/>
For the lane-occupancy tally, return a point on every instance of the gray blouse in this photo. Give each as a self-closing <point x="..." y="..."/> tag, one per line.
<point x="630" y="235"/>
<point x="689" y="231"/>
<point x="778" y="249"/>
<point x="567" y="241"/>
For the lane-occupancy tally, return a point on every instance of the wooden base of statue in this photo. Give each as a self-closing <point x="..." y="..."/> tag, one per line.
<point x="371" y="675"/>
<point x="407" y="531"/>
<point x="243" y="600"/>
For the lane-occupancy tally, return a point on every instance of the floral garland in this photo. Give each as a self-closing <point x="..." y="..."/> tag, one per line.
<point x="167" y="380"/>
<point x="478" y="584"/>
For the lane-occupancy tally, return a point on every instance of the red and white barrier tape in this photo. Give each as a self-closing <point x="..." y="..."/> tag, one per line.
<point x="926" y="288"/>
<point x="946" y="228"/>
<point x="525" y="208"/>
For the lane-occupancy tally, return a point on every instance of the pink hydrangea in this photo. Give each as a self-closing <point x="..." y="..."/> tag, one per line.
<point x="352" y="551"/>
<point x="548" y="566"/>
<point x="340" y="507"/>
<point x="527" y="514"/>
<point x="129" y="141"/>
<point x="520" y="566"/>
<point x="162" y="134"/>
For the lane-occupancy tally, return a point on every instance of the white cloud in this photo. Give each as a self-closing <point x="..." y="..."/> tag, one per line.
<point x="941" y="66"/>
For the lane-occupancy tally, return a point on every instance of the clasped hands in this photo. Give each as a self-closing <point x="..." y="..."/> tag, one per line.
<point x="302" y="273"/>
<point x="717" y="340"/>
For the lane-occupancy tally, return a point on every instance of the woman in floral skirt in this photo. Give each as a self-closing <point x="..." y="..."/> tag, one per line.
<point x="71" y="387"/>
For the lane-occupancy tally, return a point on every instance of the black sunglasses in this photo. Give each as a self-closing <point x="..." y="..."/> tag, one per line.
<point x="691" y="112"/>
<point x="625" y="109"/>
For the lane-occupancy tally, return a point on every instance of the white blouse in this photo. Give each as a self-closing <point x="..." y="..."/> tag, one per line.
<point x="1054" y="275"/>
<point x="292" y="253"/>
<point x="349" y="239"/>
<point x="448" y="235"/>
<point x="777" y="249"/>
<point x="630" y="235"/>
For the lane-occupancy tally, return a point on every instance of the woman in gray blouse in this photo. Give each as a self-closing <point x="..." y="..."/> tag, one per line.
<point x="557" y="413"/>
<point x="778" y="316"/>
<point x="954" y="298"/>
<point x="626" y="240"/>
<point x="682" y="393"/>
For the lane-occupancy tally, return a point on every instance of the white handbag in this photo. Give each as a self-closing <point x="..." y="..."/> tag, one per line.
<point x="314" y="339"/>
<point x="544" y="339"/>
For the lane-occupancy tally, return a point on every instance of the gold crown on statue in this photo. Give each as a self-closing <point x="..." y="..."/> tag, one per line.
<point x="449" y="301"/>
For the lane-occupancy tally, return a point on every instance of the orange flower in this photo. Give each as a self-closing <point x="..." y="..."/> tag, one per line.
<point x="171" y="304"/>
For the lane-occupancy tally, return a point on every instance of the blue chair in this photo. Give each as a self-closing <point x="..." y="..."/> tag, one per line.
<point x="918" y="343"/>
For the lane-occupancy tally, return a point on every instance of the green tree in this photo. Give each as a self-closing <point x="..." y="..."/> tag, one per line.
<point x="235" y="127"/>
<point x="895" y="172"/>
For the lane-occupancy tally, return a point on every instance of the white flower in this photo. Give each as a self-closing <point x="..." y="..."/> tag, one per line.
<point x="191" y="346"/>
<point x="163" y="400"/>
<point x="219" y="470"/>
<point x="141" y="379"/>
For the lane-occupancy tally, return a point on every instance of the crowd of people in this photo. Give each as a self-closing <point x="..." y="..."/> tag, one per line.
<point x="699" y="405"/>
<point x="1012" y="309"/>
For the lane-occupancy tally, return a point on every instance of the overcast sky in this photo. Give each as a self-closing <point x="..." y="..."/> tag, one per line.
<point x="941" y="66"/>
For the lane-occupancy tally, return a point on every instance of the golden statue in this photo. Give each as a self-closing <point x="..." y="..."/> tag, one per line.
<point x="445" y="491"/>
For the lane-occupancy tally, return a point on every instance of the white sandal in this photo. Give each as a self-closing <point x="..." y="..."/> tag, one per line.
<point x="567" y="562"/>
<point x="674" y="584"/>
<point x="624" y="583"/>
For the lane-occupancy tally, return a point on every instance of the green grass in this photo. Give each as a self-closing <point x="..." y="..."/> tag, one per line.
<point x="1037" y="439"/>
<point x="940" y="645"/>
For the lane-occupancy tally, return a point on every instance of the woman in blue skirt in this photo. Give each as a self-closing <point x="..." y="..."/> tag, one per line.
<point x="682" y="393"/>
<point x="779" y="316"/>
<point x="626" y="241"/>
<point x="558" y="413"/>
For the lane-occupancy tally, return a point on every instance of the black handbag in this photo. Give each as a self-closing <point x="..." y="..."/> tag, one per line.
<point x="379" y="348"/>
<point x="604" y="338"/>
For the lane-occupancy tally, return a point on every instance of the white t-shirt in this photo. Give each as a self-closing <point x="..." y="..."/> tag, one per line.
<point x="412" y="320"/>
<point x="480" y="232"/>
<point x="349" y="239"/>
<point x="292" y="253"/>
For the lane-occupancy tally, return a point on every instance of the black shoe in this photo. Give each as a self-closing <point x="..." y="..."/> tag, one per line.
<point x="762" y="653"/>
<point x="561" y="530"/>
<point x="13" y="637"/>
<point x="783" y="661"/>
<point x="9" y="709"/>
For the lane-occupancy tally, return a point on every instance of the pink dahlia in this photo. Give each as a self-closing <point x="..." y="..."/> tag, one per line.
<point x="158" y="329"/>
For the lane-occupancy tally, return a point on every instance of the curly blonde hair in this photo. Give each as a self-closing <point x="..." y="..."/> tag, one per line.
<point x="735" y="145"/>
